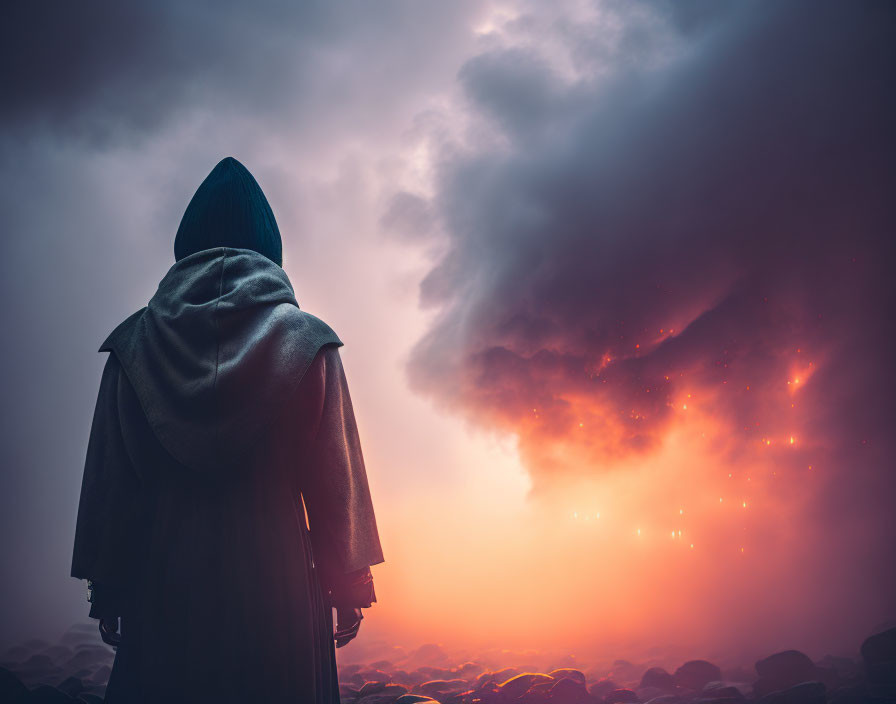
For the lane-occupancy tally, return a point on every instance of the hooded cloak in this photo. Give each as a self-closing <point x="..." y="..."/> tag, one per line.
<point x="223" y="419"/>
<point x="229" y="210"/>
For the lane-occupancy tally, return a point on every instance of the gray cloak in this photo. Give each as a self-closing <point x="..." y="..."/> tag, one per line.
<point x="223" y="416"/>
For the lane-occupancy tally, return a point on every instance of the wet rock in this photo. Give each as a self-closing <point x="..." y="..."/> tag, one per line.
<point x="89" y="698"/>
<point x="853" y="694"/>
<point x="666" y="699"/>
<point x="506" y="674"/>
<point x="844" y="667"/>
<point x="602" y="688"/>
<point x="568" y="673"/>
<point x="783" y="670"/>
<point x="879" y="657"/>
<point x="722" y="690"/>
<point x="402" y="677"/>
<point x="413" y="699"/>
<point x="355" y="680"/>
<point x="45" y="694"/>
<point x="803" y="693"/>
<point x="379" y="698"/>
<point x="881" y="647"/>
<point x="538" y="691"/>
<point x="39" y="669"/>
<point x="101" y="675"/>
<point x="645" y="694"/>
<point x="621" y="696"/>
<point x="395" y="690"/>
<point x="10" y="686"/>
<point x="484" y="680"/>
<point x="347" y="691"/>
<point x="72" y="686"/>
<point x="469" y="669"/>
<point x="568" y="690"/>
<point x="374" y="676"/>
<point x="436" y="673"/>
<point x="434" y="688"/>
<point x="515" y="687"/>
<point x="659" y="678"/>
<point x="371" y="688"/>
<point x="694" y="674"/>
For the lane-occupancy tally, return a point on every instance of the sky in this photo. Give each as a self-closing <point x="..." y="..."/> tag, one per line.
<point x="613" y="278"/>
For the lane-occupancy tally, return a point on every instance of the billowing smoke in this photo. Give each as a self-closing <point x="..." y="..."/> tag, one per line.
<point x="684" y="261"/>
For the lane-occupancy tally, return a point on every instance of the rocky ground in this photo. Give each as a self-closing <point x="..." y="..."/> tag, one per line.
<point x="77" y="668"/>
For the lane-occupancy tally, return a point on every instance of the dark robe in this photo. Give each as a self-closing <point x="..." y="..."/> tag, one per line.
<point x="223" y="408"/>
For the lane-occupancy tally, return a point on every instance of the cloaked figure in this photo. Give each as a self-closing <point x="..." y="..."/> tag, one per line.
<point x="225" y="508"/>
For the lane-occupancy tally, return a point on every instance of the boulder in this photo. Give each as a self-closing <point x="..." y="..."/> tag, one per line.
<point x="434" y="688"/>
<point x="722" y="690"/>
<point x="374" y="676"/>
<point x="602" y="688"/>
<point x="568" y="690"/>
<point x="413" y="699"/>
<point x="621" y="696"/>
<point x="469" y="669"/>
<point x="645" y="694"/>
<point x="378" y="698"/>
<point x="10" y="686"/>
<point x="373" y="687"/>
<point x="45" y="694"/>
<point x="568" y="673"/>
<point x="879" y="657"/>
<point x="852" y="694"/>
<point x="881" y="647"/>
<point x="402" y="677"/>
<point x="694" y="674"/>
<point x="803" y="693"/>
<point x="659" y="678"/>
<point x="782" y="671"/>
<point x="347" y="691"/>
<point x="89" y="698"/>
<point x="515" y="687"/>
<point x="72" y="686"/>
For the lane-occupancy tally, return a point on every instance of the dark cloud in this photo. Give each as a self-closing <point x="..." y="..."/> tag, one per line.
<point x="738" y="197"/>
<point x="692" y="250"/>
<point x="718" y="224"/>
<point x="102" y="70"/>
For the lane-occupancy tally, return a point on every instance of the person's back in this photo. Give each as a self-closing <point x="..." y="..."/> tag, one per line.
<point x="221" y="406"/>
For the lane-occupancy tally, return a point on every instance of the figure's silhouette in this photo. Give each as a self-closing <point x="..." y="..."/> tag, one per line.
<point x="222" y="409"/>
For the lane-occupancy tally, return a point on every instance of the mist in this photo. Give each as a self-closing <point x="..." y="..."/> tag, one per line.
<point x="613" y="280"/>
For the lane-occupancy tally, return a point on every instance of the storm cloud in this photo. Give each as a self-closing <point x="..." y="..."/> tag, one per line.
<point x="707" y="222"/>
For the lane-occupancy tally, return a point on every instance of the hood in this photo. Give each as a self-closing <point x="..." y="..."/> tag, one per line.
<point x="217" y="351"/>
<point x="229" y="210"/>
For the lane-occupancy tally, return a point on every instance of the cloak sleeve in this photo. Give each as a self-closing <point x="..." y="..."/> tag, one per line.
<point x="344" y="536"/>
<point x="105" y="547"/>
